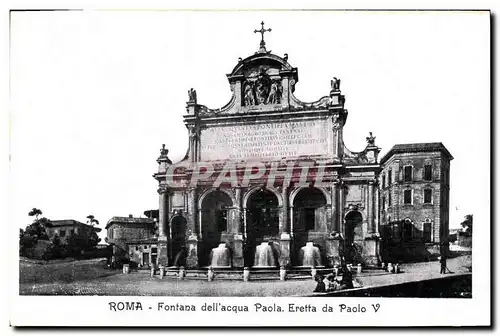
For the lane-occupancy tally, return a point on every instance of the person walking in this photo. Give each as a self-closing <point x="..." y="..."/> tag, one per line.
<point x="442" y="261"/>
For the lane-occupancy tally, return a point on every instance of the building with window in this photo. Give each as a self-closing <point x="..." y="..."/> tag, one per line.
<point x="415" y="219"/>
<point x="134" y="239"/>
<point x="66" y="227"/>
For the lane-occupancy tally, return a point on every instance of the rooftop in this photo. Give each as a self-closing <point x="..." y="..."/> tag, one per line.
<point x="71" y="222"/>
<point x="416" y="148"/>
<point x="129" y="220"/>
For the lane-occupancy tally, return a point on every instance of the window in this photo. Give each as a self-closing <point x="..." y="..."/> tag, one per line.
<point x="309" y="218"/>
<point x="407" y="196"/>
<point x="407" y="230"/>
<point x="62" y="233"/>
<point x="408" y="173"/>
<point x="427" y="196"/>
<point x="389" y="201"/>
<point x="383" y="181"/>
<point x="154" y="250"/>
<point x="427" y="230"/>
<point x="383" y="202"/>
<point x="428" y="172"/>
<point x="137" y="248"/>
<point x="145" y="247"/>
<point x="71" y="231"/>
<point x="389" y="178"/>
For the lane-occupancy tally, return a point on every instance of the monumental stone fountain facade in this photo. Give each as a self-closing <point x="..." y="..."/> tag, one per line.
<point x="242" y="187"/>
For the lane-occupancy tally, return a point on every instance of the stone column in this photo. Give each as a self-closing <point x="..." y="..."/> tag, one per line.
<point x="284" y="226"/>
<point x="340" y="210"/>
<point x="335" y="217"/>
<point x="369" y="208"/>
<point x="334" y="240"/>
<point x="192" y="210"/>
<point x="377" y="210"/>
<point x="371" y="243"/>
<point x="163" y="212"/>
<point x="162" y="226"/>
<point x="237" y="210"/>
<point x="192" y="241"/>
<point x="200" y="223"/>
<point x="238" y="237"/>
<point x="285" y="237"/>
<point x="244" y="222"/>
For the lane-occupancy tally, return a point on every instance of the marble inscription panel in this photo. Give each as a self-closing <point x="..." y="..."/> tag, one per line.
<point x="267" y="140"/>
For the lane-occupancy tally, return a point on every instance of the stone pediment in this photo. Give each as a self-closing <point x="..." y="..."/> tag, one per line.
<point x="265" y="82"/>
<point x="259" y="60"/>
<point x="263" y="119"/>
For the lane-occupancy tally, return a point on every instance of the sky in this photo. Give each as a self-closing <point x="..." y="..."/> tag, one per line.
<point x="94" y="94"/>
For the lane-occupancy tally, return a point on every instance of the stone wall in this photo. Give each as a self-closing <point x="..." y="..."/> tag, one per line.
<point x="122" y="234"/>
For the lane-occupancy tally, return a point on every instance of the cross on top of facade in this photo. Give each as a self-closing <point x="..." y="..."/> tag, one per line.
<point x="262" y="31"/>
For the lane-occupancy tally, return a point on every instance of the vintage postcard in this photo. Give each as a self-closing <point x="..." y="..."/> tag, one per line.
<point x="172" y="168"/>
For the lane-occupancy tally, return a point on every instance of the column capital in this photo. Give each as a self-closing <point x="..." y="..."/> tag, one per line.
<point x="161" y="190"/>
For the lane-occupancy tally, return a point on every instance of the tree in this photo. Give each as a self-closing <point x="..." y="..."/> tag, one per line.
<point x="91" y="220"/>
<point x="86" y="241"/>
<point x="467" y="224"/>
<point x="74" y="245"/>
<point x="35" y="212"/>
<point x="37" y="229"/>
<point x="92" y="240"/>
<point x="55" y="249"/>
<point x="29" y="237"/>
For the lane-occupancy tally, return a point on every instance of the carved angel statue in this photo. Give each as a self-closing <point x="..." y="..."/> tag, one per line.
<point x="248" y="95"/>
<point x="335" y="83"/>
<point x="274" y="93"/>
<point x="371" y="139"/>
<point x="192" y="96"/>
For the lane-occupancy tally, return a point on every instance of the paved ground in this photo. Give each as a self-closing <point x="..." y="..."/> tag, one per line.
<point x="137" y="284"/>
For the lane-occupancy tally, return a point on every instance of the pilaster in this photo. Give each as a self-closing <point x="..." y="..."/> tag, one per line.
<point x="163" y="236"/>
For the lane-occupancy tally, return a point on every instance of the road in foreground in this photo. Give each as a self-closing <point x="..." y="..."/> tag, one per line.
<point x="140" y="284"/>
